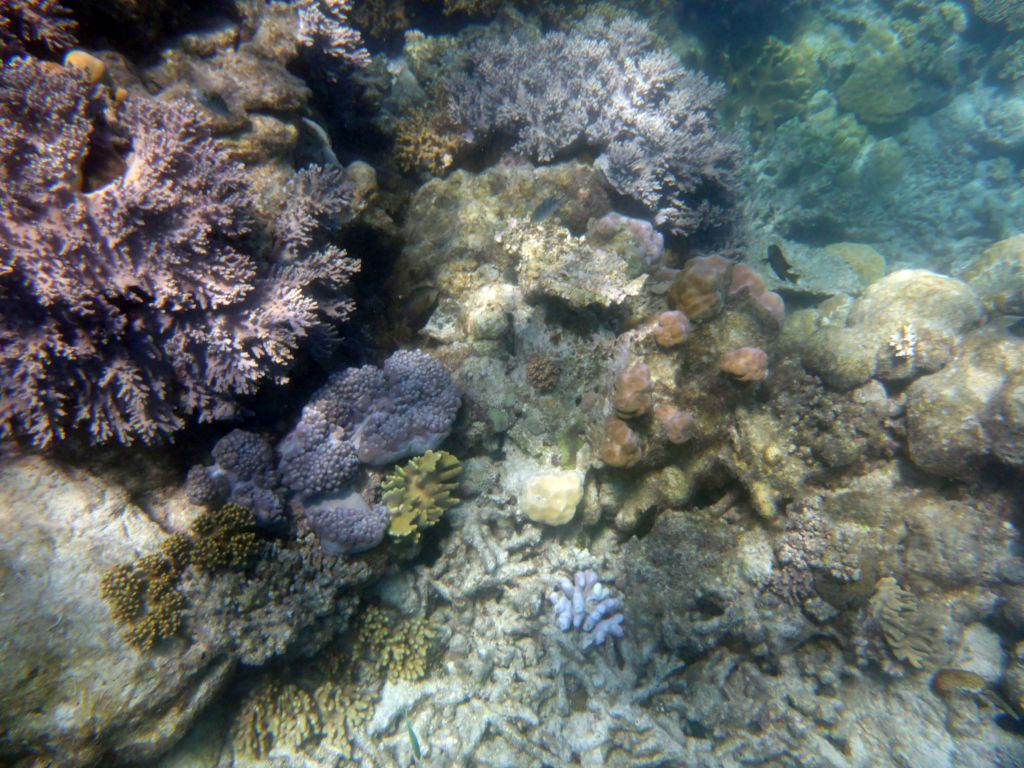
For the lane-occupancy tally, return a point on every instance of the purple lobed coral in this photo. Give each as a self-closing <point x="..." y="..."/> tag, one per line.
<point x="369" y="415"/>
<point x="130" y="307"/>
<point x="613" y="87"/>
<point x="243" y="473"/>
<point x="583" y="603"/>
<point x="346" y="524"/>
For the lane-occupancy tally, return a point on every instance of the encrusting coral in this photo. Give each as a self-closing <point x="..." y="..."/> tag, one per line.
<point x="420" y="492"/>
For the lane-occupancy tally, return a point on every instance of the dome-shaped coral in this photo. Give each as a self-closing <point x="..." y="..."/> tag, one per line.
<point x="632" y="396"/>
<point x="671" y="329"/>
<point x="698" y="289"/>
<point x="745" y="364"/>
<point x="621" y="446"/>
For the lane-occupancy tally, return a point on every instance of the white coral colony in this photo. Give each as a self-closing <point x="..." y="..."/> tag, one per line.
<point x="584" y="603"/>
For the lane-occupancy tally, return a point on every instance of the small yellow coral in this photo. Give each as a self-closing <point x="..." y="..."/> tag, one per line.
<point x="398" y="648"/>
<point x="224" y="538"/>
<point x="420" y="492"/>
<point x="276" y="714"/>
<point x="344" y="710"/>
<point x="122" y="587"/>
<point x="144" y="599"/>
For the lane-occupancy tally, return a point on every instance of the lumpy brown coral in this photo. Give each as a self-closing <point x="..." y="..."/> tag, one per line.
<point x="677" y="426"/>
<point x="621" y="445"/>
<point x="698" y="290"/>
<point x="671" y="329"/>
<point x="224" y="538"/>
<point x="632" y="393"/>
<point x="745" y="364"/>
<point x="398" y="648"/>
<point x="144" y="600"/>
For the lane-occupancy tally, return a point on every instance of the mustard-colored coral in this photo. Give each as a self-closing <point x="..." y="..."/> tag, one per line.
<point x="224" y="538"/>
<point x="144" y="600"/>
<point x="420" y="492"/>
<point x="276" y="715"/>
<point x="122" y="587"/>
<point x="427" y="140"/>
<point x="344" y="709"/>
<point x="399" y="649"/>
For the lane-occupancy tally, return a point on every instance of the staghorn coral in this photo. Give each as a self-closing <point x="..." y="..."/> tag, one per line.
<point x="344" y="710"/>
<point x="420" y="492"/>
<point x="224" y="538"/>
<point x="275" y="714"/>
<point x="398" y="649"/>
<point x="611" y="86"/>
<point x="428" y="140"/>
<point x="323" y="24"/>
<point x="126" y="309"/>
<point x="34" y="22"/>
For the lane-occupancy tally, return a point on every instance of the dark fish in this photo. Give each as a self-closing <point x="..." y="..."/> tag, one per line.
<point x="779" y="265"/>
<point x="547" y="207"/>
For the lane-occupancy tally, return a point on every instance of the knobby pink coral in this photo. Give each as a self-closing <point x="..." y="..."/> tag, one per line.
<point x="745" y="364"/>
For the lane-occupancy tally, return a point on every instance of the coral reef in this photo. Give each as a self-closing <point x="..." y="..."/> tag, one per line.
<point x="27" y="22"/>
<point x="655" y="129"/>
<point x="420" y="492"/>
<point x="131" y="306"/>
<point x="584" y="603"/>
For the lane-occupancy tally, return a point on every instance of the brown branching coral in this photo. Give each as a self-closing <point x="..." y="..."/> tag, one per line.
<point x="420" y="492"/>
<point x="910" y="633"/>
<point x="344" y="709"/>
<point x="398" y="649"/>
<point x="542" y="372"/>
<point x="276" y="714"/>
<point x="34" y="22"/>
<point x="427" y="140"/>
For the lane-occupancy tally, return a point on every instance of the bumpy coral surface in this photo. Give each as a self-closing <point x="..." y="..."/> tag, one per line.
<point x="346" y="524"/>
<point x="128" y="307"/>
<point x="370" y="415"/>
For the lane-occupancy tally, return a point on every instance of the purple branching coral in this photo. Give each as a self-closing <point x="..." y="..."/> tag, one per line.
<point x="612" y="87"/>
<point x="583" y="603"/>
<point x="130" y="307"/>
<point x="27" y="22"/>
<point x="324" y="25"/>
